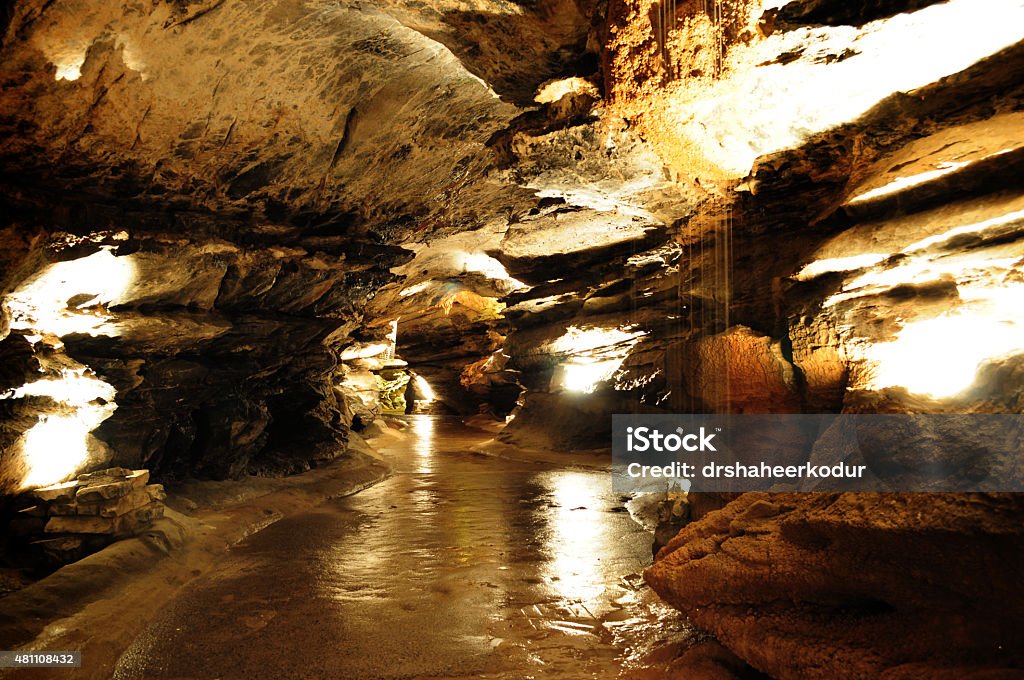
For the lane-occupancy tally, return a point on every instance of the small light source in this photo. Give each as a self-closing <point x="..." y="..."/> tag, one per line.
<point x="69" y="72"/>
<point x="69" y="61"/>
<point x="365" y="350"/>
<point x="582" y="375"/>
<point x="940" y="357"/>
<point x="42" y="304"/>
<point x="424" y="388"/>
<point x="594" y="355"/>
<point x="55" y="448"/>
<point x="392" y="340"/>
<point x="67" y="297"/>
<point x="412" y="290"/>
<point x="553" y="90"/>
<point x="901" y="183"/>
<point x="489" y="267"/>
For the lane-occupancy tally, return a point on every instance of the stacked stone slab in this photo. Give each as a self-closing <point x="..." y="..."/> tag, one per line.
<point x="70" y="520"/>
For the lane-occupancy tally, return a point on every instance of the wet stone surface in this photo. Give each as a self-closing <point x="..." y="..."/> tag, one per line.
<point x="459" y="565"/>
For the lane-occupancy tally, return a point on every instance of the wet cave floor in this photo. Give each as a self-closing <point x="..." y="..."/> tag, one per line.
<point x="458" y="565"/>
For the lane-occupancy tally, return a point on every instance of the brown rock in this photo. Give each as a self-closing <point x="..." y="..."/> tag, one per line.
<point x="56" y="492"/>
<point x="710" y="661"/>
<point x="156" y="492"/>
<point x="63" y="545"/>
<point x="127" y="524"/>
<point x="138" y="519"/>
<point x="103" y="475"/>
<point x="80" y="524"/>
<point x="73" y="508"/>
<point x="854" y="585"/>
<point x="738" y="371"/>
<point x="65" y="549"/>
<point x="115" y="508"/>
<point x="33" y="511"/>
<point x="102" y="492"/>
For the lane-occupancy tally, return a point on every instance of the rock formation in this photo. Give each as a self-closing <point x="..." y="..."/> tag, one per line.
<point x="854" y="585"/>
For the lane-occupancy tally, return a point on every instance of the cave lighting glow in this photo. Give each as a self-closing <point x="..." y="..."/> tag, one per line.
<point x="57" y="445"/>
<point x="77" y="387"/>
<point x="424" y="388"/>
<point x="69" y="71"/>
<point x="940" y="357"/>
<point x="575" y="544"/>
<point x="417" y="288"/>
<point x="593" y="355"/>
<point x="423" y="429"/>
<point x="962" y="268"/>
<point x="481" y="263"/>
<point x="902" y="183"/>
<point x="554" y="90"/>
<point x="584" y="375"/>
<point x="42" y="304"/>
<point x="974" y="228"/>
<point x="55" y="448"/>
<point x="762" y="106"/>
<point x="389" y="353"/>
<point x="67" y="297"/>
<point x="839" y="264"/>
<point x="365" y="350"/>
<point x="68" y="58"/>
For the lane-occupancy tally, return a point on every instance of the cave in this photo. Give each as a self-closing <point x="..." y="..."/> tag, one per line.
<point x="336" y="337"/>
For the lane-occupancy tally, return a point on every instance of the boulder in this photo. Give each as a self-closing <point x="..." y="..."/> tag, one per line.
<point x="820" y="585"/>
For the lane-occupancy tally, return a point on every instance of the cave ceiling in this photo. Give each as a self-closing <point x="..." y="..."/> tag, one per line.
<point x="287" y="179"/>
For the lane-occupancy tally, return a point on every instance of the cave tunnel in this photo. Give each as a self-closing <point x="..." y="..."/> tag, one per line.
<point x="501" y="339"/>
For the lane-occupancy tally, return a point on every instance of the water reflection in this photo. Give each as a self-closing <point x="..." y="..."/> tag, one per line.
<point x="423" y="442"/>
<point x="579" y="534"/>
<point x="458" y="566"/>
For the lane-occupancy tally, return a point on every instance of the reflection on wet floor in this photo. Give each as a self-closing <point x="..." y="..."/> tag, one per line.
<point x="459" y="565"/>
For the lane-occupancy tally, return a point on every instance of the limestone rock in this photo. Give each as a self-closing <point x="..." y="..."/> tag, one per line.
<point x="58" y="492"/>
<point x="129" y="523"/>
<point x="103" y="491"/>
<point x="800" y="585"/>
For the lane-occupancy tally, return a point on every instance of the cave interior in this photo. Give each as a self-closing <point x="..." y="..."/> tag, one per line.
<point x="247" y="244"/>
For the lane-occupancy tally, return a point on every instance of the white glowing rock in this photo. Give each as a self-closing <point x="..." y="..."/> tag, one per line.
<point x="763" y="106"/>
<point x="593" y="355"/>
<point x="42" y="303"/>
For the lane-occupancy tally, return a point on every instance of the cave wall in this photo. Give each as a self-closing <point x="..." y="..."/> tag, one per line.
<point x="243" y="177"/>
<point x="785" y="286"/>
<point x="874" y="269"/>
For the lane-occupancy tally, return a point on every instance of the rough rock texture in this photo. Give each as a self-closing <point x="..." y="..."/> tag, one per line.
<point x="216" y="351"/>
<point x="820" y="586"/>
<point x="64" y="522"/>
<point x="881" y="254"/>
<point x="162" y="87"/>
